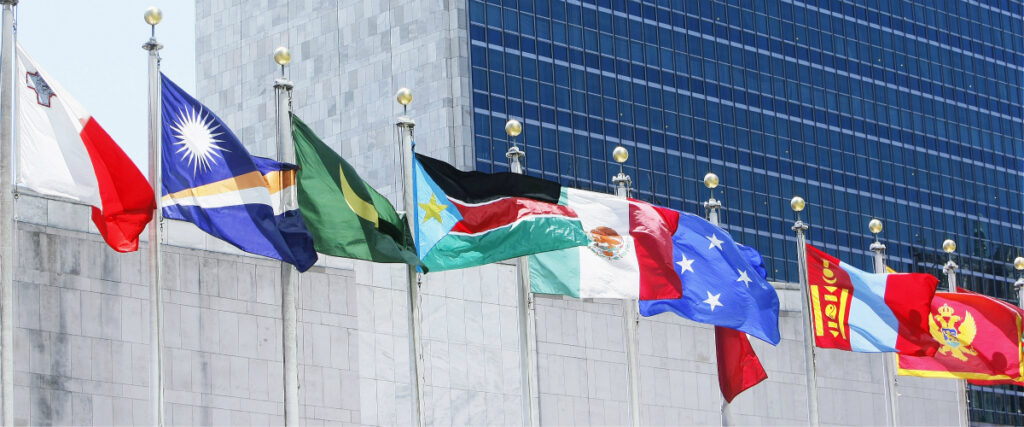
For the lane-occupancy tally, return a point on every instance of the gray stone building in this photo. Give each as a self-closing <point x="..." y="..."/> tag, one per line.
<point x="82" y="309"/>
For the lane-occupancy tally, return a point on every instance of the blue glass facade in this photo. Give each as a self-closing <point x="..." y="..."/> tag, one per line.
<point x="909" y="111"/>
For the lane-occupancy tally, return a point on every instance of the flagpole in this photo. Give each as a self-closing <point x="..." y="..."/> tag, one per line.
<point x="289" y="275"/>
<point x="405" y="125"/>
<point x="527" y="315"/>
<point x="153" y="16"/>
<point x="712" y="206"/>
<point x="797" y="204"/>
<point x="7" y="215"/>
<point x="889" y="368"/>
<point x="630" y="311"/>
<point x="1018" y="264"/>
<point x="950" y="268"/>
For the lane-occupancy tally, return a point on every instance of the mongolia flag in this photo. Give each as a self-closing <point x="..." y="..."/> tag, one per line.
<point x="466" y="219"/>
<point x="869" y="313"/>
<point x="63" y="152"/>
<point x="978" y="338"/>
<point x="627" y="255"/>
<point x="210" y="180"/>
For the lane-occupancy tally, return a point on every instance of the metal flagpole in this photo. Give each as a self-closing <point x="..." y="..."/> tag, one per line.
<point x="712" y="206"/>
<point x="630" y="311"/>
<point x="889" y="371"/>
<point x="950" y="268"/>
<point x="153" y="16"/>
<point x="289" y="275"/>
<point x="405" y="125"/>
<point x="7" y="215"/>
<point x="1018" y="264"/>
<point x="797" y="204"/>
<point x="527" y="316"/>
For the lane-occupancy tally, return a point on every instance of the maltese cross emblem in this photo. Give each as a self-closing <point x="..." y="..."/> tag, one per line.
<point x="43" y="91"/>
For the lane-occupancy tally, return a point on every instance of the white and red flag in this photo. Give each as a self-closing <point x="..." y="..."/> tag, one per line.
<point x="63" y="152"/>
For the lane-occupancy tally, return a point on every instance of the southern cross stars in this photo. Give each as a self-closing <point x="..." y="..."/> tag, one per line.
<point x="744" y="277"/>
<point x="685" y="265"/>
<point x="715" y="243"/>
<point x="713" y="300"/>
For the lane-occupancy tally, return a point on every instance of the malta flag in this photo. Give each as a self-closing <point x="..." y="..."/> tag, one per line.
<point x="63" y="152"/>
<point x="869" y="313"/>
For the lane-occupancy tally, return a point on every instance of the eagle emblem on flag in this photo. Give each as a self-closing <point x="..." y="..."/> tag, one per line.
<point x="607" y="243"/>
<point x="956" y="341"/>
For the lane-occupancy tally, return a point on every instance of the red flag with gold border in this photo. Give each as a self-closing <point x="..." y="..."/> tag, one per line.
<point x="979" y="338"/>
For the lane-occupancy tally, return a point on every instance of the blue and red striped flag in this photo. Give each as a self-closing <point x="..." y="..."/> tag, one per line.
<point x="869" y="313"/>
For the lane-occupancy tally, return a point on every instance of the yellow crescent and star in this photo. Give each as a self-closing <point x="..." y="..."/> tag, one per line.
<point x="433" y="210"/>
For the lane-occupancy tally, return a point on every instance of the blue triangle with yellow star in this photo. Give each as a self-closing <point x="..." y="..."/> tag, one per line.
<point x="435" y="214"/>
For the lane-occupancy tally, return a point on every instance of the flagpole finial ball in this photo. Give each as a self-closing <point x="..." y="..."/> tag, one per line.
<point x="875" y="226"/>
<point x="711" y="180"/>
<point x="404" y="96"/>
<point x="949" y="246"/>
<point x="282" y="56"/>
<point x="513" y="128"/>
<point x="1019" y="263"/>
<point x="620" y="154"/>
<point x="797" y="203"/>
<point x="153" y="15"/>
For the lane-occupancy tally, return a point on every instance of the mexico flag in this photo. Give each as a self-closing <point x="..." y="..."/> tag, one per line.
<point x="63" y="152"/>
<point x="628" y="254"/>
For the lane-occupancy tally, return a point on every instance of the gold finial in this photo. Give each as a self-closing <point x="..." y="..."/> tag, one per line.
<point x="1019" y="263"/>
<point x="404" y="96"/>
<point x="513" y="128"/>
<point x="620" y="154"/>
<point x="711" y="180"/>
<point x="153" y="15"/>
<point x="282" y="56"/>
<point x="875" y="225"/>
<point x="949" y="246"/>
<point x="797" y="203"/>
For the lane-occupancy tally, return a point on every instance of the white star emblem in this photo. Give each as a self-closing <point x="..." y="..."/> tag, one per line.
<point x="685" y="265"/>
<point x="744" y="278"/>
<point x="713" y="301"/>
<point x="715" y="243"/>
<point x="199" y="143"/>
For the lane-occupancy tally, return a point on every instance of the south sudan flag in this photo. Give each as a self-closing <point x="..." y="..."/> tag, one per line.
<point x="466" y="219"/>
<point x="346" y="217"/>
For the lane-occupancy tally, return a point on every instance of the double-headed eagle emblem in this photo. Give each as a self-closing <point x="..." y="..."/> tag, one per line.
<point x="955" y="341"/>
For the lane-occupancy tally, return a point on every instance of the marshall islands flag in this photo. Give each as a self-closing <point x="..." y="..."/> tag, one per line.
<point x="869" y="313"/>
<point x="210" y="180"/>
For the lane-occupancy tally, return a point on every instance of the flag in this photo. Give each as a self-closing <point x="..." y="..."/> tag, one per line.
<point x="870" y="313"/>
<point x="63" y="152"/>
<point x="978" y="338"/>
<point x="346" y="216"/>
<point x="503" y="215"/>
<point x="210" y="180"/>
<point x="723" y="282"/>
<point x="738" y="365"/>
<point x="628" y="253"/>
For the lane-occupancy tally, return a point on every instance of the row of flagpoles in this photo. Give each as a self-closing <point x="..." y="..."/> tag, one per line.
<point x="290" y="275"/>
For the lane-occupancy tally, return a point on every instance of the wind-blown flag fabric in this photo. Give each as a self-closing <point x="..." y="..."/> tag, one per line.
<point x="722" y="285"/>
<point x="628" y="254"/>
<point x="979" y="339"/>
<point x="869" y="313"/>
<point x="63" y="152"/>
<point x="503" y="215"/>
<point x="210" y="180"/>
<point x="346" y="216"/>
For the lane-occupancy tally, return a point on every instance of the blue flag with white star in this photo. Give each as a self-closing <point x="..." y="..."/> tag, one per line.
<point x="434" y="219"/>
<point x="210" y="180"/>
<point x="723" y="282"/>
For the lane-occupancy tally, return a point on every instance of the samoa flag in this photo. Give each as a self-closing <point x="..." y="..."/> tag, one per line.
<point x="869" y="313"/>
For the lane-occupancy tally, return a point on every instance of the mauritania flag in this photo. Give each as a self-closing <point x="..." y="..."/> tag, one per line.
<point x="210" y="179"/>
<point x="503" y="215"/>
<point x="628" y="253"/>
<point x="346" y="216"/>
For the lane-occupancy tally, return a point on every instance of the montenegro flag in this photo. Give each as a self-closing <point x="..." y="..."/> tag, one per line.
<point x="979" y="338"/>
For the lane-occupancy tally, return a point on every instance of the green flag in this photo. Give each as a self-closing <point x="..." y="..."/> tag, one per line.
<point x="346" y="217"/>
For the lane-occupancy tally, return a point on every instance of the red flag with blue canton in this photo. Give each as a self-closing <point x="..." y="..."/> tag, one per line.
<point x="870" y="313"/>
